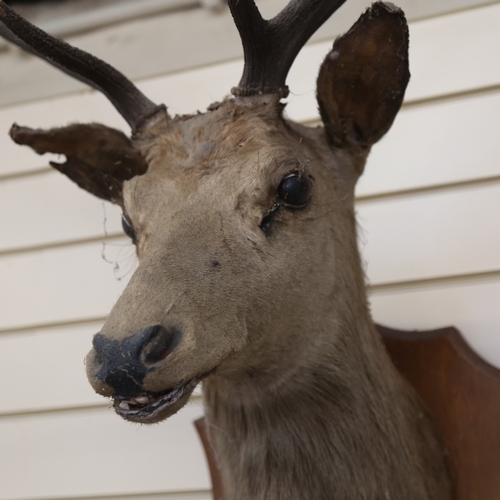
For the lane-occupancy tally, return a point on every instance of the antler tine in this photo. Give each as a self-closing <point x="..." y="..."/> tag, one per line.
<point x="270" y="47"/>
<point x="128" y="100"/>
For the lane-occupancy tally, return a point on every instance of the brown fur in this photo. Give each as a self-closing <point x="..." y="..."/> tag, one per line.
<point x="301" y="399"/>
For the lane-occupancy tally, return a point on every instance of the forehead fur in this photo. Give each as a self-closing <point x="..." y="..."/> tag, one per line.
<point x="231" y="159"/>
<point x="210" y="141"/>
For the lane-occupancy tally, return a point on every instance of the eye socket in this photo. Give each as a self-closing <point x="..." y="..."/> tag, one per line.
<point x="128" y="229"/>
<point x="295" y="190"/>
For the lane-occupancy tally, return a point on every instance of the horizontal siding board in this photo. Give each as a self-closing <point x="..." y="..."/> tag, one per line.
<point x="471" y="306"/>
<point x="431" y="234"/>
<point x="45" y="369"/>
<point x="48" y="208"/>
<point x="437" y="144"/>
<point x="96" y="453"/>
<point x="443" y="62"/>
<point x="445" y="56"/>
<point x="63" y="284"/>
<point x="175" y="495"/>
<point x="170" y="495"/>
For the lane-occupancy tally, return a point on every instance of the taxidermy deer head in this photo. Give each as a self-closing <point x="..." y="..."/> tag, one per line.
<point x="249" y="277"/>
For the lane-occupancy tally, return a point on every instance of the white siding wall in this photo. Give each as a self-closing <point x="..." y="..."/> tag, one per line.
<point x="429" y="212"/>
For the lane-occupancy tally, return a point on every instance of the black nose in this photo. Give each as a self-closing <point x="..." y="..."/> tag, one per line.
<point x="125" y="363"/>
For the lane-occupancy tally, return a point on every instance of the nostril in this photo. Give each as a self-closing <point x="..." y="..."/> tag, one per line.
<point x="123" y="364"/>
<point x="160" y="345"/>
<point x="98" y="342"/>
<point x="97" y="361"/>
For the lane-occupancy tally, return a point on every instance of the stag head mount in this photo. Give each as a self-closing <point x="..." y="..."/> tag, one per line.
<point x="249" y="276"/>
<point x="232" y="211"/>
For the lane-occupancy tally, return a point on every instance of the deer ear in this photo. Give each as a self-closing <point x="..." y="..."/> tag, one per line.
<point x="98" y="158"/>
<point x="363" y="79"/>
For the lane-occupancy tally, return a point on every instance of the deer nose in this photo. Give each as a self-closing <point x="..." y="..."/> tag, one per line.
<point x="123" y="364"/>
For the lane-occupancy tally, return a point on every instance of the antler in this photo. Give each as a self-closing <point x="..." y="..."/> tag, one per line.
<point x="128" y="100"/>
<point x="270" y="47"/>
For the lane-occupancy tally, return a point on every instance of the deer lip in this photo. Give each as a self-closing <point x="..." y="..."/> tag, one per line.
<point x="148" y="406"/>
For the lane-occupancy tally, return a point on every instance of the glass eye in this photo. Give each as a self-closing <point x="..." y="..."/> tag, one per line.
<point x="128" y="229"/>
<point x="295" y="190"/>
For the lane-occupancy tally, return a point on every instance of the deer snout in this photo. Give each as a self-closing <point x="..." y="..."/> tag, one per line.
<point x="117" y="367"/>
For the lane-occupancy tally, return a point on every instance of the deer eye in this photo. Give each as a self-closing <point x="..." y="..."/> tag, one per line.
<point x="294" y="190"/>
<point x="128" y="229"/>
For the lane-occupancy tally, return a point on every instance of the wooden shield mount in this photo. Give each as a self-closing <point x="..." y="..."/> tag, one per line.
<point x="462" y="392"/>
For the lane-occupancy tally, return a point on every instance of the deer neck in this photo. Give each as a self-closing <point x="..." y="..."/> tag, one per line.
<point x="336" y="423"/>
<point x="273" y="430"/>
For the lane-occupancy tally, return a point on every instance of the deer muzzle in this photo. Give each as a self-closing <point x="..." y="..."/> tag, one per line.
<point x="118" y="368"/>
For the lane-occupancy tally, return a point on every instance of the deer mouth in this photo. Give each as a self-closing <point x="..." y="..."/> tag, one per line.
<point x="153" y="407"/>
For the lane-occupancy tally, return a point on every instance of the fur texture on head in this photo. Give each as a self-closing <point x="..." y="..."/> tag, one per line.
<point x="250" y="280"/>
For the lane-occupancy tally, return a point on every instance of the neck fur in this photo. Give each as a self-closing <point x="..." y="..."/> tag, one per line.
<point x="339" y="424"/>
